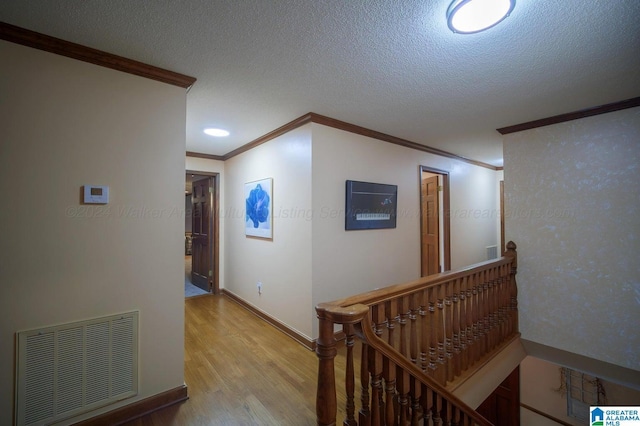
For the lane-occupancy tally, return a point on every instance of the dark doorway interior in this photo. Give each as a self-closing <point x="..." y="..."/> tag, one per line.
<point x="201" y="229"/>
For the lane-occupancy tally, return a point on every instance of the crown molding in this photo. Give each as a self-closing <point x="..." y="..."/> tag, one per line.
<point x="207" y="156"/>
<point x="292" y="125"/>
<point x="588" y="112"/>
<point x="312" y="117"/>
<point x="61" y="47"/>
<point x="348" y="127"/>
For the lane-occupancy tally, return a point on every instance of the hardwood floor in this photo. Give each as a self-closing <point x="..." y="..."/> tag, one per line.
<point x="240" y="370"/>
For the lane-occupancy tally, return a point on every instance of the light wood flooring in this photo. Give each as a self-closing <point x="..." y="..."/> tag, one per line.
<point x="240" y="370"/>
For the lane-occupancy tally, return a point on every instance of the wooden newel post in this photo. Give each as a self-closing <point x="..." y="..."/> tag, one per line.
<point x="326" y="350"/>
<point x="512" y="253"/>
<point x="328" y="315"/>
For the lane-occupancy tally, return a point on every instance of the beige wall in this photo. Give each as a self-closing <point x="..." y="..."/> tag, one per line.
<point x="350" y="262"/>
<point x="499" y="178"/>
<point x="284" y="264"/>
<point x="63" y="124"/>
<point x="309" y="166"/>
<point x="540" y="389"/>
<point x="573" y="200"/>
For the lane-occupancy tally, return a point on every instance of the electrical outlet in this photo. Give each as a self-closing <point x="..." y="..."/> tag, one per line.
<point x="259" y="287"/>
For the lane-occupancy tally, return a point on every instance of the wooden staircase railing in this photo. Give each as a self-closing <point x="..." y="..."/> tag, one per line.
<point x="416" y="338"/>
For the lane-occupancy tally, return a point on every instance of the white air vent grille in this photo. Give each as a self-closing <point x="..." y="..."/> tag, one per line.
<point x="492" y="252"/>
<point x="69" y="369"/>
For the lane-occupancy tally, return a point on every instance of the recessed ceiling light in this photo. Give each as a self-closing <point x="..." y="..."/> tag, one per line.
<point x="472" y="16"/>
<point x="216" y="132"/>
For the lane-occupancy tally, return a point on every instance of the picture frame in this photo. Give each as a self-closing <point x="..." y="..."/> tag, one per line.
<point x="370" y="205"/>
<point x="258" y="197"/>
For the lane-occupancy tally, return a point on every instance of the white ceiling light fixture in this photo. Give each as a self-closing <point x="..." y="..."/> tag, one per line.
<point x="216" y="132"/>
<point x="473" y="16"/>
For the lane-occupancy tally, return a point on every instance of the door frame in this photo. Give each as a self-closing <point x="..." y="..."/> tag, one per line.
<point x="214" y="223"/>
<point x="445" y="215"/>
<point x="503" y="247"/>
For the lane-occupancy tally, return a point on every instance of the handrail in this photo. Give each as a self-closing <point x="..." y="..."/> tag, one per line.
<point x="454" y="318"/>
<point x="387" y="293"/>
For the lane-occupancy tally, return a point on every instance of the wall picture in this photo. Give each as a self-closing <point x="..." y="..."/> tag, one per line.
<point x="259" y="208"/>
<point x="370" y="205"/>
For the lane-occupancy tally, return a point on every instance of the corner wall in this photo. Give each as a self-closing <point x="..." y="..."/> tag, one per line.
<point x="572" y="193"/>
<point x="542" y="389"/>
<point x="282" y="265"/>
<point x="312" y="259"/>
<point x="64" y="124"/>
<point x="351" y="262"/>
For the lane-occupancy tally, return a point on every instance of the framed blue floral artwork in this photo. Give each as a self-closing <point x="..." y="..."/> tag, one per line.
<point x="258" y="197"/>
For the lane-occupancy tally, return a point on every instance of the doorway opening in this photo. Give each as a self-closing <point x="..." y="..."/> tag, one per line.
<point x="201" y="233"/>
<point x="503" y="247"/>
<point x="435" y="232"/>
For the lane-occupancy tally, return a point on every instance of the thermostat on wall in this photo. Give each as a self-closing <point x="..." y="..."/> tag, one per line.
<point x="95" y="194"/>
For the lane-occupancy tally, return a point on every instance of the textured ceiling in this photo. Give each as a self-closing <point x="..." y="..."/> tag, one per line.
<point x="391" y="66"/>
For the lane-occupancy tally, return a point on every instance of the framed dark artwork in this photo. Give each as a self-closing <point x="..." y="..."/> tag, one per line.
<point x="370" y="205"/>
<point x="258" y="197"/>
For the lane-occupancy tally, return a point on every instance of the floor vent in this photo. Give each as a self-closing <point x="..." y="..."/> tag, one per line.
<point x="492" y="252"/>
<point x="69" y="369"/>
